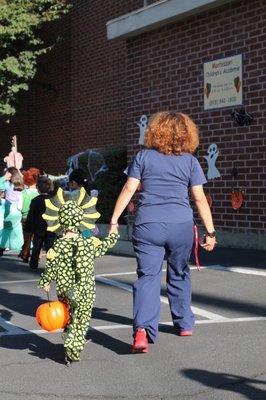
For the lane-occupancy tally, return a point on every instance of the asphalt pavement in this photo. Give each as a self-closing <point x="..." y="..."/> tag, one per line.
<point x="225" y="359"/>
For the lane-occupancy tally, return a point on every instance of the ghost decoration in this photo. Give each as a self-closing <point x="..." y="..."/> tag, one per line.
<point x="211" y="158"/>
<point x="142" y="127"/>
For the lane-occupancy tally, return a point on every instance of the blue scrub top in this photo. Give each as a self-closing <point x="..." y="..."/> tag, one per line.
<point x="165" y="180"/>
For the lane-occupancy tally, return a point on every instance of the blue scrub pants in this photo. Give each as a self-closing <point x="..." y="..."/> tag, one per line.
<point x="152" y="242"/>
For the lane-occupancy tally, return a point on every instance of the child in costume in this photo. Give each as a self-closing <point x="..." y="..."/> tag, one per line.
<point x="11" y="236"/>
<point x="29" y="193"/>
<point x="77" y="180"/>
<point x="70" y="262"/>
<point x="2" y="206"/>
<point x="36" y="225"/>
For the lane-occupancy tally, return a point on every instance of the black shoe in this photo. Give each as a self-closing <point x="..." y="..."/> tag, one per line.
<point x="33" y="266"/>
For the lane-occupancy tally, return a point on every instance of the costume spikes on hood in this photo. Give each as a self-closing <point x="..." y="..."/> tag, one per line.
<point x="77" y="213"/>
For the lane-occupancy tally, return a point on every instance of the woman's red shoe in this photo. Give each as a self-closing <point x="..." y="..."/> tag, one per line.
<point x="140" y="343"/>
<point x="185" y="333"/>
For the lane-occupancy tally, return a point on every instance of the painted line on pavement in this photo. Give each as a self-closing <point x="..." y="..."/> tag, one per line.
<point x="22" y="281"/>
<point x="128" y="288"/>
<point x="211" y="317"/>
<point x="20" y="331"/>
<point x="239" y="270"/>
<point x="10" y="328"/>
<point x="217" y="267"/>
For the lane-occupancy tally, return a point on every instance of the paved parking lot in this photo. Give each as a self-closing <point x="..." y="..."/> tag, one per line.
<point x="225" y="359"/>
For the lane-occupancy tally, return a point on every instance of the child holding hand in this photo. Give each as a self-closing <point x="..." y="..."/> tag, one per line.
<point x="70" y="263"/>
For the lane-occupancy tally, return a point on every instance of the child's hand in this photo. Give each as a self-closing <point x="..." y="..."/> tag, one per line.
<point x="113" y="228"/>
<point x="7" y="176"/>
<point x="46" y="287"/>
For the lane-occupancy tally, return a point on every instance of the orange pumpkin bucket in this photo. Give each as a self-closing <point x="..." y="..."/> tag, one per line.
<point x="237" y="199"/>
<point x="52" y="315"/>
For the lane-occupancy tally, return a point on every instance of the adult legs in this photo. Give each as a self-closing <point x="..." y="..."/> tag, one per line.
<point x="148" y="242"/>
<point x="48" y="241"/>
<point x="179" y="244"/>
<point x="36" y="248"/>
<point x="25" y="251"/>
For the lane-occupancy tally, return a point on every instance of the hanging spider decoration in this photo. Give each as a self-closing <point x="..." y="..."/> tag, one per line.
<point x="241" y="117"/>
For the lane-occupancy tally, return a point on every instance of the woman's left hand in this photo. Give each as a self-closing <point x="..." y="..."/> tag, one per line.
<point x="209" y="243"/>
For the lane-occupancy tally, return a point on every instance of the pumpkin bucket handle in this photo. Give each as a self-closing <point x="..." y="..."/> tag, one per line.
<point x="48" y="298"/>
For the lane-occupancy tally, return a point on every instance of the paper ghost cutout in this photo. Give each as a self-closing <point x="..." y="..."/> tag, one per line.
<point x="142" y="127"/>
<point x="211" y="158"/>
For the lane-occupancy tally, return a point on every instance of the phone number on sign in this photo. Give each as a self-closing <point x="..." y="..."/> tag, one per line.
<point x="222" y="101"/>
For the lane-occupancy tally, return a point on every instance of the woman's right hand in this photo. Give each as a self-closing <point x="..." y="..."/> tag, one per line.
<point x="113" y="228"/>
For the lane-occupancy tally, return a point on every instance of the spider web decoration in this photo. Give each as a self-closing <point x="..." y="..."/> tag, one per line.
<point x="241" y="117"/>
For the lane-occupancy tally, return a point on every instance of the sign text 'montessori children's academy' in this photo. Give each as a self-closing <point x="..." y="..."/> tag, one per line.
<point x="223" y="82"/>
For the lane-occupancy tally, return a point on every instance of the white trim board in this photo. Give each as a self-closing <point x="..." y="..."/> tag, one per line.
<point x="157" y="15"/>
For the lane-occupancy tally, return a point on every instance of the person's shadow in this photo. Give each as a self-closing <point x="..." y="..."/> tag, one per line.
<point x="37" y="345"/>
<point x="102" y="339"/>
<point x="42" y="348"/>
<point x="228" y="382"/>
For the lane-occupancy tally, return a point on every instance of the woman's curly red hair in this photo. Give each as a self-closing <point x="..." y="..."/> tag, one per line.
<point x="30" y="176"/>
<point x="172" y="133"/>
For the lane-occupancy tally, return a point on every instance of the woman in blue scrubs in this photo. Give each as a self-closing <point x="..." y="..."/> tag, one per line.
<point x="163" y="227"/>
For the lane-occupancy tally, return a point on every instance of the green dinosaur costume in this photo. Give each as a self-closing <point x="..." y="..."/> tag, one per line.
<point x="70" y="263"/>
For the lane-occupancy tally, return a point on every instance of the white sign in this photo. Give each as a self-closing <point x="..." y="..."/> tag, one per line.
<point x="223" y="83"/>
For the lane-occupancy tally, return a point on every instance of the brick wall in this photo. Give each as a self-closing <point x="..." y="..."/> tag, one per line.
<point x="97" y="75"/>
<point x="90" y="93"/>
<point x="76" y="101"/>
<point x="165" y="71"/>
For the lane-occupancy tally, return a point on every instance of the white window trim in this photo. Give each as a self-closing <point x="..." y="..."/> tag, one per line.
<point x="157" y="15"/>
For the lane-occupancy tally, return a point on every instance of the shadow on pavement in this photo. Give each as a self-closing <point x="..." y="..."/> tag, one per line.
<point x="109" y="342"/>
<point x="230" y="257"/>
<point x="12" y="264"/>
<point x="241" y="305"/>
<point x="105" y="340"/>
<point x="24" y="304"/>
<point x="37" y="346"/>
<point x="229" y="304"/>
<point x="227" y="382"/>
<point x="101" y="314"/>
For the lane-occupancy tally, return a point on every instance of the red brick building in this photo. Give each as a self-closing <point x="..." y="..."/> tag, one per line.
<point x="120" y="59"/>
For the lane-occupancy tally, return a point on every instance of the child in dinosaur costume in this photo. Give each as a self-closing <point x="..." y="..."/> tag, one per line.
<point x="70" y="262"/>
